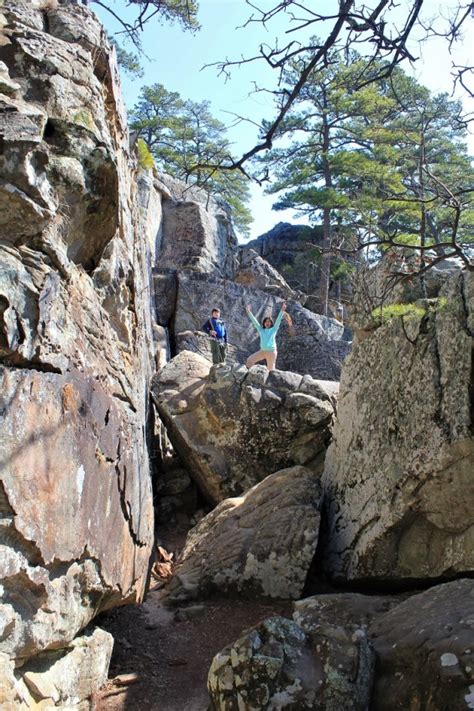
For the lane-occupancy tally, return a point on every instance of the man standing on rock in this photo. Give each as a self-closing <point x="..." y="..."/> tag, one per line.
<point x="217" y="331"/>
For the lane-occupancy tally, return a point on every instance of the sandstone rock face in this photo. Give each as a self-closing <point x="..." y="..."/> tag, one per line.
<point x="278" y="665"/>
<point x="425" y="653"/>
<point x="236" y="426"/>
<point x="257" y="273"/>
<point x="76" y="341"/>
<point x="315" y="348"/>
<point x="398" y="476"/>
<point x="260" y="544"/>
<point x="196" y="231"/>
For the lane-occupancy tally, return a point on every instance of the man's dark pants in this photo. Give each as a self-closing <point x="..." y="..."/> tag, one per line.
<point x="218" y="349"/>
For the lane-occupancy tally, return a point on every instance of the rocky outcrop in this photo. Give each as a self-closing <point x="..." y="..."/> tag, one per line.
<point x="257" y="273"/>
<point x="314" y="346"/>
<point x="196" y="230"/>
<point x="423" y="644"/>
<point x="76" y="342"/>
<point x="398" y="476"/>
<point x="282" y="246"/>
<point x="66" y="678"/>
<point x="236" y="426"/>
<point x="293" y="250"/>
<point x="422" y="647"/>
<point x="425" y="655"/>
<point x="278" y="665"/>
<point x="259" y="545"/>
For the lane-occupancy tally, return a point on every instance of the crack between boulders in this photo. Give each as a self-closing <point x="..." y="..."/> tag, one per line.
<point x="124" y="503"/>
<point x="125" y="399"/>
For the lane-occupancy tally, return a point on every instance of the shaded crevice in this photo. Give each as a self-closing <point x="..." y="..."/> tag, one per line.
<point x="16" y="362"/>
<point x="126" y="400"/>
<point x="125" y="504"/>
<point x="24" y="595"/>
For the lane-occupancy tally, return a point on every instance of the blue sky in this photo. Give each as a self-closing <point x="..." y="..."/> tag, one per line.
<point x="177" y="58"/>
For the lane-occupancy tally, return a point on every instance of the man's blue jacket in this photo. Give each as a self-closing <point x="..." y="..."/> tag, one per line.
<point x="217" y="325"/>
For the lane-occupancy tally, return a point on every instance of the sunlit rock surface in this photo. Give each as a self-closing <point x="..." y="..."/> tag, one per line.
<point x="398" y="476"/>
<point x="260" y="544"/>
<point x="232" y="427"/>
<point x="76" y="342"/>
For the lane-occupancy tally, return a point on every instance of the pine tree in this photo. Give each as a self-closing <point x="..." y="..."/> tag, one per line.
<point x="190" y="144"/>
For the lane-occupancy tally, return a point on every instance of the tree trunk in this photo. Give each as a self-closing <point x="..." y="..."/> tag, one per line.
<point x="323" y="292"/>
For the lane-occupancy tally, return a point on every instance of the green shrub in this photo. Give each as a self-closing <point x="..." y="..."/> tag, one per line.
<point x="145" y="158"/>
<point x="413" y="310"/>
<point x="384" y="313"/>
<point x="84" y="117"/>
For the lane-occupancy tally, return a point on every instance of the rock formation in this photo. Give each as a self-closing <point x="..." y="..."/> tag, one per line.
<point x="255" y="272"/>
<point x="292" y="250"/>
<point x="315" y="347"/>
<point x="198" y="269"/>
<point x="260" y="544"/>
<point x="278" y="665"/>
<point x="106" y="272"/>
<point x="422" y="643"/>
<point x="236" y="426"/>
<point x="398" y="476"/>
<point x="76" y="343"/>
<point x="422" y="646"/>
<point x="196" y="231"/>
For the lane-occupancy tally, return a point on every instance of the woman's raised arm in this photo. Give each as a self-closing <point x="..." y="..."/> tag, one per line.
<point x="252" y="317"/>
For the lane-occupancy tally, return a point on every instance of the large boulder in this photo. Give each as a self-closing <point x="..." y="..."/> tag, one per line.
<point x="398" y="476"/>
<point x="277" y="665"/>
<point x="314" y="346"/>
<point x="196" y="231"/>
<point x="260" y="544"/>
<point x="349" y="610"/>
<point x="235" y="426"/>
<point x="425" y="651"/>
<point x="76" y="341"/>
<point x="422" y="642"/>
<point x="257" y="273"/>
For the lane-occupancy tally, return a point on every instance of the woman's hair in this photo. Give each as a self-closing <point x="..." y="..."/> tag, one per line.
<point x="267" y="318"/>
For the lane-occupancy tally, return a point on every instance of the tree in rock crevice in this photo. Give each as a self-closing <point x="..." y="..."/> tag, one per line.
<point x="188" y="142"/>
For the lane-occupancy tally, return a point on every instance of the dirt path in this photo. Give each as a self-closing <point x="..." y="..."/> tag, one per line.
<point x="170" y="655"/>
<point x="169" y="650"/>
